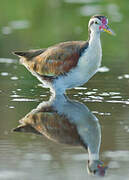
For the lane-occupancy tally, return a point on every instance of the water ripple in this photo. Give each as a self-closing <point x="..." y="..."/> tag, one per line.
<point x="14" y="78"/>
<point x="10" y="174"/>
<point x="125" y="76"/>
<point x="80" y="88"/>
<point x="7" y="60"/>
<point x="103" y="69"/>
<point x="121" y="155"/>
<point x="4" y="73"/>
<point x="24" y="99"/>
<point x="102" y="113"/>
<point x="118" y="101"/>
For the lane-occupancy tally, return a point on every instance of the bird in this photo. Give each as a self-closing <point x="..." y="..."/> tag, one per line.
<point x="68" y="64"/>
<point x="67" y="122"/>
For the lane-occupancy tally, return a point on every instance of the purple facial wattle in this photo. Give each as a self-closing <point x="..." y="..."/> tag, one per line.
<point x="105" y="27"/>
<point x="104" y="23"/>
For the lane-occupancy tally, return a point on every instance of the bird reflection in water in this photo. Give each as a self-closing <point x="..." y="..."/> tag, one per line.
<point x="69" y="122"/>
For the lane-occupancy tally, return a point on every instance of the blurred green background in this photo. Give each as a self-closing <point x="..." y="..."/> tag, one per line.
<point x="40" y="23"/>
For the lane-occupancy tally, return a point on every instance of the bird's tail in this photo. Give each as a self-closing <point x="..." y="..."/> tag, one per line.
<point x="20" y="53"/>
<point x="29" y="54"/>
<point x="25" y="128"/>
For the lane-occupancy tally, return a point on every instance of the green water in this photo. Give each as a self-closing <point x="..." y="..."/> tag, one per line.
<point x="38" y="24"/>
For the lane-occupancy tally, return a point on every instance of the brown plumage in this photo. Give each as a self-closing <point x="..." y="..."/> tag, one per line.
<point x="48" y="122"/>
<point x="55" y="60"/>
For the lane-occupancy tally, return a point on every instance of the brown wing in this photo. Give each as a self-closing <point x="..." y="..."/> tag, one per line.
<point x="56" y="60"/>
<point x="49" y="123"/>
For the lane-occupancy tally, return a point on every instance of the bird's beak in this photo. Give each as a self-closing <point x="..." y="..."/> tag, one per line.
<point x="108" y="30"/>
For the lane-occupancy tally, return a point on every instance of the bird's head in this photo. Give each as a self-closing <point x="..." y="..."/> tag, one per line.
<point x="96" y="167"/>
<point x="99" y="24"/>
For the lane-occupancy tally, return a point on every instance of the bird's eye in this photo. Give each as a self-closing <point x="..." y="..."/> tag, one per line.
<point x="96" y="22"/>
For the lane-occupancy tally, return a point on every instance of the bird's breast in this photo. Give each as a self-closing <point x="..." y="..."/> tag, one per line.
<point x="90" y="61"/>
<point x="87" y="66"/>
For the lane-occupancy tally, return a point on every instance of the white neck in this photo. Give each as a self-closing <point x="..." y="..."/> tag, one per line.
<point x="94" y="36"/>
<point x="90" y="61"/>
